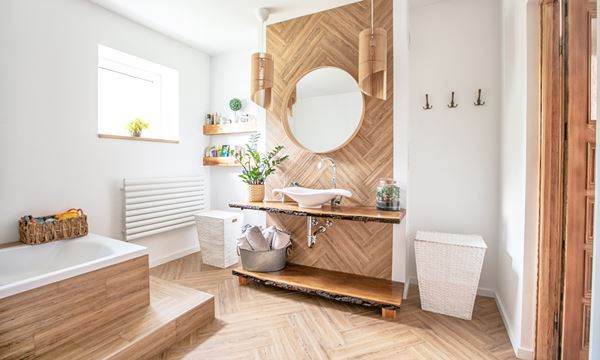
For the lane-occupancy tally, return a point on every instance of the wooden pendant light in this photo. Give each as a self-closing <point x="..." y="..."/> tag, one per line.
<point x="372" y="61"/>
<point x="261" y="77"/>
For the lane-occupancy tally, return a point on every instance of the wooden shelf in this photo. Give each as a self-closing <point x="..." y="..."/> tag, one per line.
<point x="354" y="213"/>
<point x="356" y="289"/>
<point x="220" y="161"/>
<point x="235" y="128"/>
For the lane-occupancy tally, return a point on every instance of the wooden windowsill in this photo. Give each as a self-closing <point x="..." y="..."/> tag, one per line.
<point x="121" y="137"/>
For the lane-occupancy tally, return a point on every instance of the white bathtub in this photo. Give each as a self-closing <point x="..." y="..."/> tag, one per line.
<point x="25" y="267"/>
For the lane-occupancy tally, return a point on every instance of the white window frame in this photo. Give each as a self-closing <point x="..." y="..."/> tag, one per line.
<point x="167" y="88"/>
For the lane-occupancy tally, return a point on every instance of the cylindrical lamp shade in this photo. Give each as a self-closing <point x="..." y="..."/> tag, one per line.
<point x="261" y="81"/>
<point x="372" y="62"/>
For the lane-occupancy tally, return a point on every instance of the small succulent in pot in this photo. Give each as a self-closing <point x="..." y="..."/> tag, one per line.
<point x="256" y="166"/>
<point x="135" y="127"/>
<point x="235" y="105"/>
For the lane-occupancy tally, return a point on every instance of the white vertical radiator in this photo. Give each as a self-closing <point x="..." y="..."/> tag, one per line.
<point x="155" y="205"/>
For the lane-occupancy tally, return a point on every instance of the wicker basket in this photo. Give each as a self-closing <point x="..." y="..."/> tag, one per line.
<point x="448" y="268"/>
<point x="256" y="193"/>
<point x="38" y="233"/>
<point x="217" y="231"/>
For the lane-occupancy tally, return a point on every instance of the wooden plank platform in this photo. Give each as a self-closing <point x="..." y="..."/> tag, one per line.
<point x="356" y="289"/>
<point x="354" y="213"/>
<point x="174" y="312"/>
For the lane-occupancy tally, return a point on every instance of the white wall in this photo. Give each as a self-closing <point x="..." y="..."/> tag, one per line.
<point x="517" y="250"/>
<point x="454" y="153"/>
<point x="50" y="156"/>
<point x="401" y="127"/>
<point x="230" y="77"/>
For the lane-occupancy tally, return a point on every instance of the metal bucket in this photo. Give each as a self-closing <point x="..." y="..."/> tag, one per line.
<point x="263" y="261"/>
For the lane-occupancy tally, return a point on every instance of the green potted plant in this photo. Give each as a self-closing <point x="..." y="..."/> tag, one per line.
<point x="235" y="105"/>
<point x="135" y="127"/>
<point x="256" y="167"/>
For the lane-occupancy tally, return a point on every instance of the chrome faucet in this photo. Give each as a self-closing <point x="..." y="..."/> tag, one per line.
<point x="334" y="201"/>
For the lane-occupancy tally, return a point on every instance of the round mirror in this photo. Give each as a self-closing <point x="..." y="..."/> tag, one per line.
<point x="324" y="110"/>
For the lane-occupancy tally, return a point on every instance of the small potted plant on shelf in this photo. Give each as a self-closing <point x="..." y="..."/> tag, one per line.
<point x="256" y="167"/>
<point x="235" y="105"/>
<point x="135" y="127"/>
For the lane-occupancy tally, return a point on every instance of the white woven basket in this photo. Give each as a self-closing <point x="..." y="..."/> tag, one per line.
<point x="217" y="233"/>
<point x="448" y="268"/>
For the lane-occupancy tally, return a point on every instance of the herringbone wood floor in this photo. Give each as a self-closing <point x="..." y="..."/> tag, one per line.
<point x="259" y="322"/>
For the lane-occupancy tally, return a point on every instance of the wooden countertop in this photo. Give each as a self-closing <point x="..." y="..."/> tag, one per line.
<point x="354" y="213"/>
<point x="334" y="285"/>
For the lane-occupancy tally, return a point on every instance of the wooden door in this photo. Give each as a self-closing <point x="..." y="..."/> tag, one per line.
<point x="580" y="158"/>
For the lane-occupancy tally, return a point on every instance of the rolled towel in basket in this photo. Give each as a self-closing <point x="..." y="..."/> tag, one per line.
<point x="256" y="239"/>
<point x="243" y="243"/>
<point x="268" y="233"/>
<point x="281" y="240"/>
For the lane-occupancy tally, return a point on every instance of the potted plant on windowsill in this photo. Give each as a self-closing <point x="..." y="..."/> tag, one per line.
<point x="135" y="127"/>
<point x="256" y="167"/>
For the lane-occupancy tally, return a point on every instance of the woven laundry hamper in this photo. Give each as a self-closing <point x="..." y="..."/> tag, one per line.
<point x="218" y="232"/>
<point x="448" y="268"/>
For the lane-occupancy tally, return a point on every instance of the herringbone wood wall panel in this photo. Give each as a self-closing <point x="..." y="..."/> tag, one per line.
<point x="330" y="38"/>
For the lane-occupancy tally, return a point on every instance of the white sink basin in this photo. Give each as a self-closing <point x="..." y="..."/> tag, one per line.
<point x="312" y="198"/>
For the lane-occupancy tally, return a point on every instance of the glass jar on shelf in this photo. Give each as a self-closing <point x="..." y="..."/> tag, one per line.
<point x="388" y="195"/>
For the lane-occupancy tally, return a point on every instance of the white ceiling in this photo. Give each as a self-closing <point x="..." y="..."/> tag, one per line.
<point x="213" y="26"/>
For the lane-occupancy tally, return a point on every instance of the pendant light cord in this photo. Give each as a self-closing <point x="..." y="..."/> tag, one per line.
<point x="260" y="36"/>
<point x="371" y="17"/>
<point x="263" y="36"/>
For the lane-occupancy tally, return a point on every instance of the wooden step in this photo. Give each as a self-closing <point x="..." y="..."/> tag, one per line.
<point x="335" y="285"/>
<point x="174" y="312"/>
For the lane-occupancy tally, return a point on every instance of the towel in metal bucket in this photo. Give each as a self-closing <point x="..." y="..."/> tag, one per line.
<point x="264" y="261"/>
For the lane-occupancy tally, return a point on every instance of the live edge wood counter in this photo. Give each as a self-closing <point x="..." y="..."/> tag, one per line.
<point x="354" y="213"/>
<point x="334" y="285"/>
<point x="356" y="289"/>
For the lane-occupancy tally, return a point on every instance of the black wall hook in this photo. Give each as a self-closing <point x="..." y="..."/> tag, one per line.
<point x="427" y="106"/>
<point x="452" y="104"/>
<point x="479" y="102"/>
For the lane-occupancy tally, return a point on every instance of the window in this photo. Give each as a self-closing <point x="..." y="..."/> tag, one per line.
<point x="129" y="88"/>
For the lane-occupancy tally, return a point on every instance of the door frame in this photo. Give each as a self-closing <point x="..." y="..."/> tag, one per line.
<point x="552" y="145"/>
<point x="555" y="84"/>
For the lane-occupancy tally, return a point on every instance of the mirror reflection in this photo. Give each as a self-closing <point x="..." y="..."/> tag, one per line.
<point x="324" y="110"/>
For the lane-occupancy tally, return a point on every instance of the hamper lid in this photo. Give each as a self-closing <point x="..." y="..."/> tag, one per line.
<point x="451" y="239"/>
<point x="219" y="214"/>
